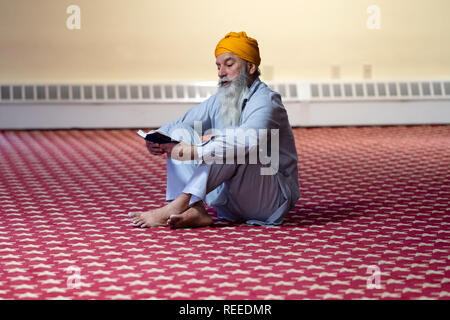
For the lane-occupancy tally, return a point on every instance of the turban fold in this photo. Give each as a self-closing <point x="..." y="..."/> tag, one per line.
<point x="241" y="45"/>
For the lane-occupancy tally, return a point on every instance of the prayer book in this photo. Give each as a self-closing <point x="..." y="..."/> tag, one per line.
<point x="156" y="136"/>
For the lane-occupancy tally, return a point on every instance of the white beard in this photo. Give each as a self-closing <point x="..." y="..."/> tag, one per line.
<point x="231" y="98"/>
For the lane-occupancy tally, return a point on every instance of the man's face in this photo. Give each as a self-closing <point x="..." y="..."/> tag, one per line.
<point x="229" y="66"/>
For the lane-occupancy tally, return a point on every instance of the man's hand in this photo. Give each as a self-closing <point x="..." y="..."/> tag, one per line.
<point x="207" y="137"/>
<point x="178" y="151"/>
<point x="168" y="148"/>
<point x="154" y="148"/>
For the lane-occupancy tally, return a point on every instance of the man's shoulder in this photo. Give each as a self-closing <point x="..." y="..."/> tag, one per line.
<point x="265" y="95"/>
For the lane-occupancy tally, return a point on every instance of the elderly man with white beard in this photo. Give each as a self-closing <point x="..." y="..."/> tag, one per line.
<point x="238" y="191"/>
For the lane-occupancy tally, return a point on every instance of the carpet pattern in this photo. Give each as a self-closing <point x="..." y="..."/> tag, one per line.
<point x="373" y="222"/>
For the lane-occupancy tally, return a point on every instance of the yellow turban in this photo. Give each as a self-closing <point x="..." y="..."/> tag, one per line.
<point x="241" y="45"/>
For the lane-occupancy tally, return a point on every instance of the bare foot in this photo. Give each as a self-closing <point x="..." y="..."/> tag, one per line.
<point x="152" y="218"/>
<point x="159" y="217"/>
<point x="193" y="217"/>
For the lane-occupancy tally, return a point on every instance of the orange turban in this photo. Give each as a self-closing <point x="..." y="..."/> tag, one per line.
<point x="241" y="45"/>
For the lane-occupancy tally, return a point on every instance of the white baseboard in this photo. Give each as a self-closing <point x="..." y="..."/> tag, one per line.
<point x="354" y="113"/>
<point x="153" y="115"/>
<point x="329" y="103"/>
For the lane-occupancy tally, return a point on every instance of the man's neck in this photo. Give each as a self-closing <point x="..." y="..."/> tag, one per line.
<point x="250" y="81"/>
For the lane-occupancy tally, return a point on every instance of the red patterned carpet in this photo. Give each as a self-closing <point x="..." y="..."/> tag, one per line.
<point x="373" y="198"/>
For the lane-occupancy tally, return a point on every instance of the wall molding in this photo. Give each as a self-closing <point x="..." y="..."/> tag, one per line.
<point x="118" y="105"/>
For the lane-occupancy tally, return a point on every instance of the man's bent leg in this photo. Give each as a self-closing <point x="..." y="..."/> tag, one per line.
<point x="201" y="189"/>
<point x="207" y="178"/>
<point x="204" y="181"/>
<point x="195" y="216"/>
<point x="255" y="198"/>
<point x="247" y="195"/>
<point x="178" y="173"/>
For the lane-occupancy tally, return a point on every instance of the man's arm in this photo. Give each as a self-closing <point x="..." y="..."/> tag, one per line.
<point x="267" y="113"/>
<point x="201" y="112"/>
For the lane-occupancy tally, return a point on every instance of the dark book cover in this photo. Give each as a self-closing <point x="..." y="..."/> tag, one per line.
<point x="156" y="137"/>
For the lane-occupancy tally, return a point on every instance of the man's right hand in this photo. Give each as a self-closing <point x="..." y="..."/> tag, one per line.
<point x="154" y="148"/>
<point x="207" y="137"/>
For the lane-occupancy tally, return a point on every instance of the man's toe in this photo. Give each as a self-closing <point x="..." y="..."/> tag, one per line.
<point x="134" y="214"/>
<point x="139" y="222"/>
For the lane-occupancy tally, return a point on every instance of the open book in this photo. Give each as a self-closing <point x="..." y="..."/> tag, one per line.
<point x="156" y="136"/>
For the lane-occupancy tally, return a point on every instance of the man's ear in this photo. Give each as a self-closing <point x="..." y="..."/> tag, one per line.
<point x="251" y="68"/>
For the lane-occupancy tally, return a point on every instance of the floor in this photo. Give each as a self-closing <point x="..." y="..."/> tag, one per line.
<point x="373" y="222"/>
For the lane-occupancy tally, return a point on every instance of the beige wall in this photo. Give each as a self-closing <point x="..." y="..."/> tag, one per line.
<point x="174" y="40"/>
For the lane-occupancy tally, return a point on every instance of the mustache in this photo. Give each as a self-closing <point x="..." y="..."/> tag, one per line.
<point x="224" y="79"/>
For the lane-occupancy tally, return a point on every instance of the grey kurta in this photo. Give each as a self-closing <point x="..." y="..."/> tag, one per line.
<point x="277" y="193"/>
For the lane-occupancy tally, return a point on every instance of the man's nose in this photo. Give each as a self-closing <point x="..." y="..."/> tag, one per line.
<point x="222" y="72"/>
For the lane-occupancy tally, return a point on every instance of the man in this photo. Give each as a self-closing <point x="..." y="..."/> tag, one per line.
<point x="238" y="191"/>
